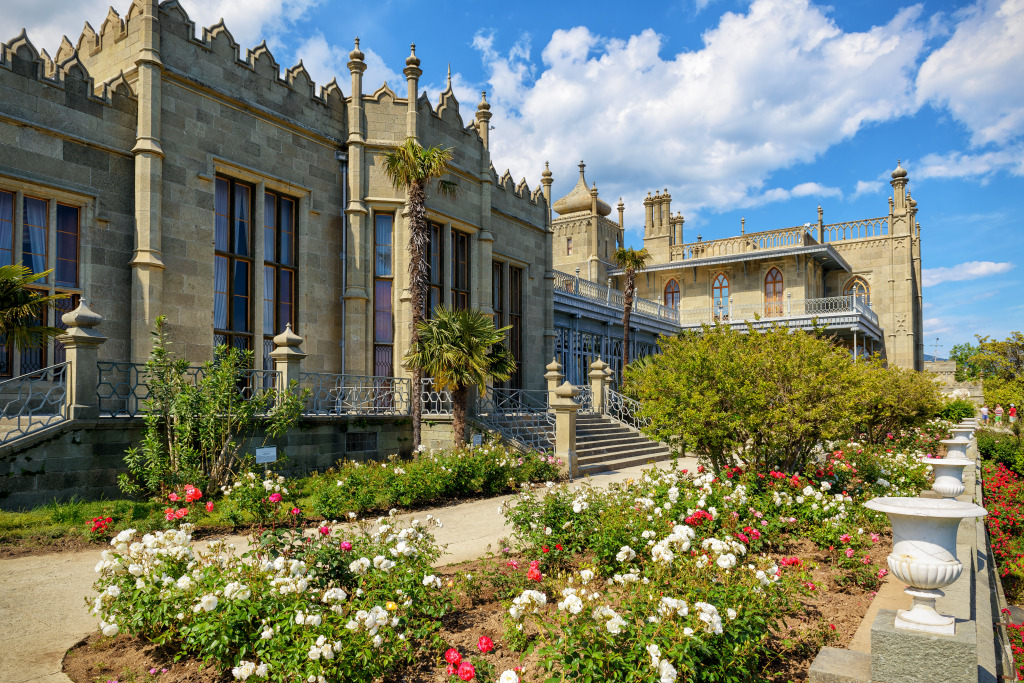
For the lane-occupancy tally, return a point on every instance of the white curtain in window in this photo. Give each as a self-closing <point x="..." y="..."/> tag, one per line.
<point x="34" y="242"/>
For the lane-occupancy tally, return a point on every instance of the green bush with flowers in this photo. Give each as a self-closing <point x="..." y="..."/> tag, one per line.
<point x="352" y="604"/>
<point x="670" y="576"/>
<point x="430" y="477"/>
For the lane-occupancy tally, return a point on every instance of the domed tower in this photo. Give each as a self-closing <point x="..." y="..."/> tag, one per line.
<point x="903" y="321"/>
<point x="584" y="237"/>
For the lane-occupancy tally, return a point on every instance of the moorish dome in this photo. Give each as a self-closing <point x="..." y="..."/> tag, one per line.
<point x="579" y="199"/>
<point x="900" y="172"/>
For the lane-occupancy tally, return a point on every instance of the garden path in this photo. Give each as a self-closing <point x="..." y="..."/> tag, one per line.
<point x="42" y="600"/>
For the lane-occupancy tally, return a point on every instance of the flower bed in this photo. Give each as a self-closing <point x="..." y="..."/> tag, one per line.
<point x="433" y="477"/>
<point x="674" y="576"/>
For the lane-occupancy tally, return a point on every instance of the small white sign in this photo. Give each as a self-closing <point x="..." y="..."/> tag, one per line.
<point x="265" y="455"/>
<point x="478" y="440"/>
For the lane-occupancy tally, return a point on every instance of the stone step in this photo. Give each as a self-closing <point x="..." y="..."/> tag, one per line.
<point x="630" y="453"/>
<point x="609" y="465"/>
<point x="599" y="447"/>
<point x="616" y="440"/>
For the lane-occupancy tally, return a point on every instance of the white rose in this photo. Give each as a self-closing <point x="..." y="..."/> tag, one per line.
<point x="509" y="676"/>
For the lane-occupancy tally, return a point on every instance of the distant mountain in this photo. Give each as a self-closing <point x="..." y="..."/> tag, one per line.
<point x="928" y="358"/>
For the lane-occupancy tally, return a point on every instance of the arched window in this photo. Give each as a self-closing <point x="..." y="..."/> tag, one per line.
<point x="858" y="287"/>
<point x="720" y="297"/>
<point x="672" y="294"/>
<point x="773" y="293"/>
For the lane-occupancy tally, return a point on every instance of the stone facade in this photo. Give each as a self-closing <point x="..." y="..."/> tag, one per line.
<point x="142" y="123"/>
<point x="793" y="273"/>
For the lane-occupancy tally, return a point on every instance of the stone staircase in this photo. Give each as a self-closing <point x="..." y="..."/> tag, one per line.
<point x="604" y="444"/>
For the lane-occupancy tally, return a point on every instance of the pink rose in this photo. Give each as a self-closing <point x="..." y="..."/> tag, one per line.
<point x="466" y="671"/>
<point x="346" y="545"/>
<point x="181" y="512"/>
<point x="325" y="531"/>
<point x="452" y="656"/>
<point x="485" y="644"/>
<point x="450" y="670"/>
<point x="275" y="497"/>
<point x="174" y="497"/>
<point x="296" y="511"/>
<point x="845" y="538"/>
<point x="849" y="552"/>
<point x="209" y="506"/>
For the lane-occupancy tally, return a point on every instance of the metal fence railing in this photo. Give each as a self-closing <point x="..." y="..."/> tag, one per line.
<point x="336" y="394"/>
<point x="517" y="417"/>
<point x="435" y="402"/>
<point x="33" y="402"/>
<point x="122" y="388"/>
<point x="625" y="409"/>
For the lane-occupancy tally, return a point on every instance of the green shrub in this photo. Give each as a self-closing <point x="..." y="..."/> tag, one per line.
<point x="429" y="478"/>
<point x="956" y="410"/>
<point x="1001" y="448"/>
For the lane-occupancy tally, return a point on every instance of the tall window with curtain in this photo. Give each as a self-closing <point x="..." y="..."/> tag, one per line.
<point x="672" y="294"/>
<point x="66" y="269"/>
<point x="280" y="269"/>
<point x="460" y="271"/>
<point x="720" y="297"/>
<point x="435" y="270"/>
<point x="515" y="335"/>
<point x="34" y="234"/>
<point x="232" y="308"/>
<point x="6" y="259"/>
<point x="383" y="314"/>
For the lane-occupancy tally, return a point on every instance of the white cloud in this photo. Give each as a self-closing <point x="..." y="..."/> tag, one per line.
<point x="325" y="61"/>
<point x="778" y="194"/>
<point x="249" y="21"/>
<point x="971" y="270"/>
<point x="868" y="187"/>
<point x="935" y="326"/>
<point x="976" y="166"/>
<point x="974" y="73"/>
<point x="770" y="88"/>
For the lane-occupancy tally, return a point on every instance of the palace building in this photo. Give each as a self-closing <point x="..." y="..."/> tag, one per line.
<point x="158" y="171"/>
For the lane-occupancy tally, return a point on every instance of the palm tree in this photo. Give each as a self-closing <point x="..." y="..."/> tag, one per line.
<point x="459" y="349"/>
<point x="23" y="310"/>
<point x="630" y="260"/>
<point x="411" y="167"/>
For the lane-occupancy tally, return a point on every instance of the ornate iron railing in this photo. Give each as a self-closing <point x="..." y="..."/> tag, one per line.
<point x="435" y="402"/>
<point x="581" y="287"/>
<point x="781" y="309"/>
<point x="33" y="402"/>
<point x="625" y="409"/>
<point x="122" y="388"/>
<point x="521" y="423"/>
<point x="335" y="394"/>
<point x="585" y="398"/>
<point x="536" y="399"/>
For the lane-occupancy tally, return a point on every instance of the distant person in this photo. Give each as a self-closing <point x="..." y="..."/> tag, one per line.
<point x="984" y="415"/>
<point x="998" y="413"/>
<point x="1013" y="413"/>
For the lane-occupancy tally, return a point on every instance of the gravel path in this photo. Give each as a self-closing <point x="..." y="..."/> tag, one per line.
<point x="42" y="600"/>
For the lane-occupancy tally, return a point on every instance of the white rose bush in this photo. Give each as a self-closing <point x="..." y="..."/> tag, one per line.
<point x="678" y="575"/>
<point x="351" y="604"/>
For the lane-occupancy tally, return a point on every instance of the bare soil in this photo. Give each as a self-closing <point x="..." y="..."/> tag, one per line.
<point x="794" y="646"/>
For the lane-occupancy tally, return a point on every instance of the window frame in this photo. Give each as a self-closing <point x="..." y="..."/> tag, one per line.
<point x="772" y="303"/>
<point x="228" y="335"/>
<point x="383" y="274"/>
<point x="673" y="300"/>
<point x="855" y="282"/>
<point x="516" y="306"/>
<point x="720" y="296"/>
<point x="274" y="267"/>
<point x="461" y="270"/>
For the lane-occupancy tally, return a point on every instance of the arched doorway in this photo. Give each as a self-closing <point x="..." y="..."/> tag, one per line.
<point x="773" y="293"/>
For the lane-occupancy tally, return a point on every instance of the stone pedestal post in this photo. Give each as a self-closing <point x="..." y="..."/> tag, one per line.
<point x="82" y="343"/>
<point x="287" y="356"/>
<point x="554" y="377"/>
<point x="598" y="377"/>
<point x="565" y="409"/>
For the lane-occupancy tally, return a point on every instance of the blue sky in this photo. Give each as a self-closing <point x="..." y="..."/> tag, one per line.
<point x="759" y="110"/>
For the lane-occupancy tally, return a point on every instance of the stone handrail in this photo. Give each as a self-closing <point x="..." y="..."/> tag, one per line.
<point x="786" y="308"/>
<point x="729" y="246"/>
<point x="852" y="230"/>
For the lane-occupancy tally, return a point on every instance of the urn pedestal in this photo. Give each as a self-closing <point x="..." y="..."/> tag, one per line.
<point x="924" y="554"/>
<point x="949" y="475"/>
<point x="956" y="449"/>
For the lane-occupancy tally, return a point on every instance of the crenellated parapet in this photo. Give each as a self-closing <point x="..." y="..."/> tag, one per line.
<point x="19" y="57"/>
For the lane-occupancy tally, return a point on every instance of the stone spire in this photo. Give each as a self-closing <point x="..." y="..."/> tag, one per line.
<point x="483" y="114"/>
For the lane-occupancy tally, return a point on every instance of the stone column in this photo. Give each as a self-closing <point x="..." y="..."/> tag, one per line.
<point x="554" y="377"/>
<point x="287" y="357"/>
<point x="147" y="261"/>
<point x="412" y="73"/>
<point x="358" y="323"/>
<point x="598" y="377"/>
<point x="81" y="343"/>
<point x="565" y="409"/>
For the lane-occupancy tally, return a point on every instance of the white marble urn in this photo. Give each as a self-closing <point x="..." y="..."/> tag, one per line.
<point x="949" y="475"/>
<point x="962" y="432"/>
<point x="956" y="449"/>
<point x="924" y="554"/>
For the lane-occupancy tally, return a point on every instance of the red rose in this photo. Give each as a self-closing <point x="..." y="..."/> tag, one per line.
<point x="466" y="671"/>
<point x="452" y="657"/>
<point x="485" y="644"/>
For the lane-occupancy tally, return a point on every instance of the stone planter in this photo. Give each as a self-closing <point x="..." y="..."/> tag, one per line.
<point x="924" y="554"/>
<point x="949" y="475"/>
<point x="962" y="432"/>
<point x="956" y="449"/>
